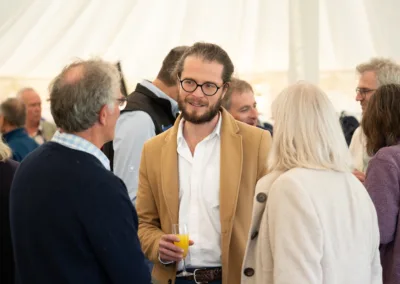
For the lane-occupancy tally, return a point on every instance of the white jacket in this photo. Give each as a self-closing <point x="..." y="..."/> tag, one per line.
<point x="312" y="226"/>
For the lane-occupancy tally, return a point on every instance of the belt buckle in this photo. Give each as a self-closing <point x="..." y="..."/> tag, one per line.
<point x="194" y="276"/>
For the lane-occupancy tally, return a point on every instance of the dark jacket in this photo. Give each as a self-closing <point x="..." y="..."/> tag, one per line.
<point x="72" y="221"/>
<point x="7" y="170"/>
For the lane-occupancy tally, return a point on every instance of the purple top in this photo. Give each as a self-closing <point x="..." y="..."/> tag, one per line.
<point x="383" y="185"/>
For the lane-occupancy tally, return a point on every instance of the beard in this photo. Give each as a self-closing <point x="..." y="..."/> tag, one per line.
<point x="194" y="117"/>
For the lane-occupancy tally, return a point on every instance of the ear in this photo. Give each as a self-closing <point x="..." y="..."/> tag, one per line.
<point x="103" y="114"/>
<point x="224" y="89"/>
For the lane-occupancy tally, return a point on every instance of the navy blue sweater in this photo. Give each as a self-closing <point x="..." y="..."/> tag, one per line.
<point x="73" y="222"/>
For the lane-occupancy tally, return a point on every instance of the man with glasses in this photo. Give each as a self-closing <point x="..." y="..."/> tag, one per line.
<point x="372" y="74"/>
<point x="201" y="173"/>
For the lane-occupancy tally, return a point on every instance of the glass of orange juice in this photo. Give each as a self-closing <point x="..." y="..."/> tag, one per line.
<point x="181" y="231"/>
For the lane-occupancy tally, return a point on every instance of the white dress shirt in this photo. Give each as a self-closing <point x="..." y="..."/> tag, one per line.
<point x="358" y="150"/>
<point x="133" y="129"/>
<point x="199" y="176"/>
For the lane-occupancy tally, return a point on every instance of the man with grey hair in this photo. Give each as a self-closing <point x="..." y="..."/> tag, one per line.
<point x="71" y="218"/>
<point x="12" y="121"/>
<point x="38" y="128"/>
<point x="372" y="74"/>
<point x="239" y="101"/>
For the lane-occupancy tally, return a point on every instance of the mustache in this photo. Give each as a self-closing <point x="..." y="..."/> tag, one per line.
<point x="200" y="101"/>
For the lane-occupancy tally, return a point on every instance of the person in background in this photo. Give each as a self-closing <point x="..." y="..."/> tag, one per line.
<point x="201" y="172"/>
<point x="151" y="109"/>
<point x="372" y="74"/>
<point x="7" y="171"/>
<point x="313" y="221"/>
<point x="382" y="132"/>
<point x="37" y="127"/>
<point x="12" y="121"/>
<point x="240" y="102"/>
<point x="71" y="218"/>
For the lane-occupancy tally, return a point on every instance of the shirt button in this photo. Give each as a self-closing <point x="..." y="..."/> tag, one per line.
<point x="254" y="235"/>
<point x="261" y="197"/>
<point x="249" y="272"/>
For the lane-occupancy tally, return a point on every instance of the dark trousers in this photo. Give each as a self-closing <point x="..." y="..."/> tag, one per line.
<point x="181" y="281"/>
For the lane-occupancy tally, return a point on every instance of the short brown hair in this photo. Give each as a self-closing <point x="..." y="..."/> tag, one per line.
<point x="168" y="65"/>
<point x="209" y="52"/>
<point x="381" y="125"/>
<point x="236" y="85"/>
<point x="13" y="111"/>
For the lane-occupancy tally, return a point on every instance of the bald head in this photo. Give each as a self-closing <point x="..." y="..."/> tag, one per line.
<point x="33" y="105"/>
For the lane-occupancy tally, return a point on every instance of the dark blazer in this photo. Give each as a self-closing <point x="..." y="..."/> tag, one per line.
<point x="7" y="170"/>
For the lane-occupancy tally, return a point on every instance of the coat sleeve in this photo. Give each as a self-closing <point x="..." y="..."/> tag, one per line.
<point x="382" y="183"/>
<point x="149" y="221"/>
<point x="295" y="234"/>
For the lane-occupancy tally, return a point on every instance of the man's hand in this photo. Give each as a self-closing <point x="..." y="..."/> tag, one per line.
<point x="359" y="175"/>
<point x="168" y="251"/>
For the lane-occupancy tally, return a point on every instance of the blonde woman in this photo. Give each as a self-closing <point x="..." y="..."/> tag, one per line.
<point x="313" y="221"/>
<point x="7" y="170"/>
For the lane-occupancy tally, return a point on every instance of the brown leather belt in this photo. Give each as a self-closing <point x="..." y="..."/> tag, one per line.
<point x="204" y="275"/>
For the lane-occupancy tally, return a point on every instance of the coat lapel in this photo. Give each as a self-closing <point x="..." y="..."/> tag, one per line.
<point x="230" y="171"/>
<point x="170" y="173"/>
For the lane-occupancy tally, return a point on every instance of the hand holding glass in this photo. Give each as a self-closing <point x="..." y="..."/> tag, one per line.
<point x="181" y="231"/>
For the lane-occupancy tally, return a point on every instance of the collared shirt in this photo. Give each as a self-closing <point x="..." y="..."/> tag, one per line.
<point x="133" y="129"/>
<point x="358" y="150"/>
<point x="38" y="136"/>
<point x="78" y="143"/>
<point x="199" y="176"/>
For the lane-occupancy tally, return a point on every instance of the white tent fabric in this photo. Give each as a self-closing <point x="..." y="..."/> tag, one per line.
<point x="270" y="42"/>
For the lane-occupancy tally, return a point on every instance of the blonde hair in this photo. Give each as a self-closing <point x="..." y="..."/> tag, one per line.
<point x="307" y="132"/>
<point x="386" y="70"/>
<point x="5" y="151"/>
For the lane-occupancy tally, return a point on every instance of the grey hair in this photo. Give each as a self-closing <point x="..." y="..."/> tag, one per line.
<point x="13" y="111"/>
<point x="236" y="85"/>
<point x="387" y="71"/>
<point x="23" y="90"/>
<point x="79" y="92"/>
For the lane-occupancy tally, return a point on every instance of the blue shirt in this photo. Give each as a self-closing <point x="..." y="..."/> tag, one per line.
<point x="78" y="143"/>
<point x="20" y="143"/>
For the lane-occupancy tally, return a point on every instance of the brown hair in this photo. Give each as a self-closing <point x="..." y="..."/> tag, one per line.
<point x="166" y="72"/>
<point x="382" y="119"/>
<point x="236" y="85"/>
<point x="209" y="52"/>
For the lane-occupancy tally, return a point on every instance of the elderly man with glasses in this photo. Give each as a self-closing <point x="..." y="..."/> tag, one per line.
<point x="372" y="74"/>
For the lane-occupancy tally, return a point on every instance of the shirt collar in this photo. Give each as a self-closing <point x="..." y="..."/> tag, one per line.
<point x="161" y="94"/>
<point x="216" y="131"/>
<point x="78" y="143"/>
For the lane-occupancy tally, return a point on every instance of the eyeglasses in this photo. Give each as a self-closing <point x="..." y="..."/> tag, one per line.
<point x="122" y="103"/>
<point x="364" y="91"/>
<point x="208" y="89"/>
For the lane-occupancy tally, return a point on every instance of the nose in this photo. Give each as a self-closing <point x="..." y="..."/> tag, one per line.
<point x="254" y="113"/>
<point x="359" y="97"/>
<point x="198" y="92"/>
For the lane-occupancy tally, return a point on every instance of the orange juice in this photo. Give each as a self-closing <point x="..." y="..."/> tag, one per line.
<point x="183" y="243"/>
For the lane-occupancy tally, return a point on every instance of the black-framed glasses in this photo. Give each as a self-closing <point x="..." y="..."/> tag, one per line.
<point x="208" y="88"/>
<point x="122" y="103"/>
<point x="364" y="91"/>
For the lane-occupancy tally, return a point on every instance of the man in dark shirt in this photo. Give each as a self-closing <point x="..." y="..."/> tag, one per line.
<point x="71" y="218"/>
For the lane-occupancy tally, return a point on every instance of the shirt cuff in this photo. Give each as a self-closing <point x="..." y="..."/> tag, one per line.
<point x="165" y="263"/>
